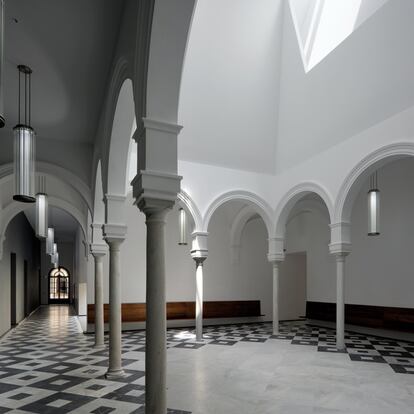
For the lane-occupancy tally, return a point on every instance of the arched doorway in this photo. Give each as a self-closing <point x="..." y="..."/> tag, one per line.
<point x="59" y="285"/>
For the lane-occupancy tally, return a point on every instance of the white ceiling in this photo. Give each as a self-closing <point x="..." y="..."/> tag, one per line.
<point x="248" y="103"/>
<point x="69" y="44"/>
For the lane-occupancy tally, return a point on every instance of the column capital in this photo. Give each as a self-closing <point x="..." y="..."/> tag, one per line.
<point x="340" y="248"/>
<point x="98" y="249"/>
<point x="199" y="246"/>
<point x="276" y="251"/>
<point x="340" y="238"/>
<point x="155" y="191"/>
<point x="340" y="255"/>
<point x="114" y="232"/>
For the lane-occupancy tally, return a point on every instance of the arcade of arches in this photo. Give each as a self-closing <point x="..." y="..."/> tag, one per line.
<point x="229" y="187"/>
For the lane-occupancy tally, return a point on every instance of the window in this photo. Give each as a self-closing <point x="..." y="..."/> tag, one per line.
<point x="59" y="287"/>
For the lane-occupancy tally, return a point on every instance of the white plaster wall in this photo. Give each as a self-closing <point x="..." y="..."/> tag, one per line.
<point x="249" y="280"/>
<point x="379" y="269"/>
<point x="20" y="239"/>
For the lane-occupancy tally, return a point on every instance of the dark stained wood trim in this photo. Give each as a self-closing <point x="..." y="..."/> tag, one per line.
<point x="136" y="312"/>
<point x="400" y="319"/>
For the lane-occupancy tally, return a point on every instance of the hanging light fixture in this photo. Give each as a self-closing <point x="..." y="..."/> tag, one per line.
<point x="53" y="255"/>
<point x="373" y="207"/>
<point x="55" y="261"/>
<point x="2" y="122"/>
<point x="50" y="241"/>
<point x="41" y="209"/>
<point x="182" y="227"/>
<point x="24" y="143"/>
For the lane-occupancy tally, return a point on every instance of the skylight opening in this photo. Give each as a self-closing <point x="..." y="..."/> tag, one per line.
<point x="321" y="25"/>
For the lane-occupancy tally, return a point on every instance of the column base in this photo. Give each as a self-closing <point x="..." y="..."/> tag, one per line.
<point x="115" y="374"/>
<point x="99" y="346"/>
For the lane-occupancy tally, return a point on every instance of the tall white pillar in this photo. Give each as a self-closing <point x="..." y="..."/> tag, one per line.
<point x="199" y="252"/>
<point x="340" y="302"/>
<point x="156" y="186"/>
<point x="275" y="291"/>
<point x="115" y="313"/>
<point x="199" y="298"/>
<point x="98" y="252"/>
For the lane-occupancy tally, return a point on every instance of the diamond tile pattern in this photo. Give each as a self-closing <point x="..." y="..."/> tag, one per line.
<point x="48" y="366"/>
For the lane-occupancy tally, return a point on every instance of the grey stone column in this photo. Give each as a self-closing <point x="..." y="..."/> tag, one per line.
<point x="340" y="300"/>
<point x="199" y="297"/>
<point x="99" y="302"/>
<point x="156" y="326"/>
<point x="115" y="314"/>
<point x="275" y="296"/>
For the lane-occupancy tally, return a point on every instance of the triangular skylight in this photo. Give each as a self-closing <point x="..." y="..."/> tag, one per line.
<point x="321" y="25"/>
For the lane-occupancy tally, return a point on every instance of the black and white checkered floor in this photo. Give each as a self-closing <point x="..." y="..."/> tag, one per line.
<point x="48" y="366"/>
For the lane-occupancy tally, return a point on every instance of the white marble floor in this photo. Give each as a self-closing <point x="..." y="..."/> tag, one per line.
<point x="48" y="366"/>
<point x="278" y="377"/>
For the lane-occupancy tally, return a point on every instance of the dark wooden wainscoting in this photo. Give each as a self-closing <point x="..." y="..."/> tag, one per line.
<point x="401" y="319"/>
<point x="136" y="312"/>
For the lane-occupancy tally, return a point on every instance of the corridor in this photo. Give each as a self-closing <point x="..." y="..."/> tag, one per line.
<point x="47" y="365"/>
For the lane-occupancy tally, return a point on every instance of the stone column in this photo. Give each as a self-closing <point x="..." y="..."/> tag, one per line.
<point x="199" y="252"/>
<point x="275" y="256"/>
<point x="114" y="239"/>
<point x="156" y="326"/>
<point x="199" y="298"/>
<point x="156" y="186"/>
<point x="275" y="295"/>
<point x="98" y="252"/>
<point x="340" y="302"/>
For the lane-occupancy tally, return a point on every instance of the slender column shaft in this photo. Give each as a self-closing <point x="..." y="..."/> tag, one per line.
<point x="275" y="297"/>
<point x="199" y="299"/>
<point x="99" y="305"/>
<point x="340" y="304"/>
<point x="155" y="348"/>
<point x="115" y="317"/>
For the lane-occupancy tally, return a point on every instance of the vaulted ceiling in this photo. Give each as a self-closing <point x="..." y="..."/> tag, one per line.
<point x="250" y="101"/>
<point x="69" y="45"/>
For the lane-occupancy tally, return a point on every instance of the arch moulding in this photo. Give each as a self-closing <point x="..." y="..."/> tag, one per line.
<point x="361" y="171"/>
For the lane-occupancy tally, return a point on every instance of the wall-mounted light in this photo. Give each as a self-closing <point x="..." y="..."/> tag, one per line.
<point x="42" y="209"/>
<point x="182" y="222"/>
<point x="50" y="240"/>
<point x="24" y="143"/>
<point x="374" y="207"/>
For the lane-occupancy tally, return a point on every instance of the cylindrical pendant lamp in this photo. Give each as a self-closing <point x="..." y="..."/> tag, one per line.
<point x="42" y="210"/>
<point x="374" y="207"/>
<point x="24" y="145"/>
<point x="55" y="261"/>
<point x="50" y="240"/>
<point x="182" y="239"/>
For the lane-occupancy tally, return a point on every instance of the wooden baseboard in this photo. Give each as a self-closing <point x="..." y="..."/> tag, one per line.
<point x="136" y="312"/>
<point x="381" y="317"/>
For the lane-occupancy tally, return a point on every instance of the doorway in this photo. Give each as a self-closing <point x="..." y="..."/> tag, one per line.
<point x="292" y="286"/>
<point x="59" y="285"/>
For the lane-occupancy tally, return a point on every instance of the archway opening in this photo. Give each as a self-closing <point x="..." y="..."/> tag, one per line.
<point x="379" y="282"/>
<point x="307" y="273"/>
<point x="59" y="286"/>
<point x="238" y="276"/>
